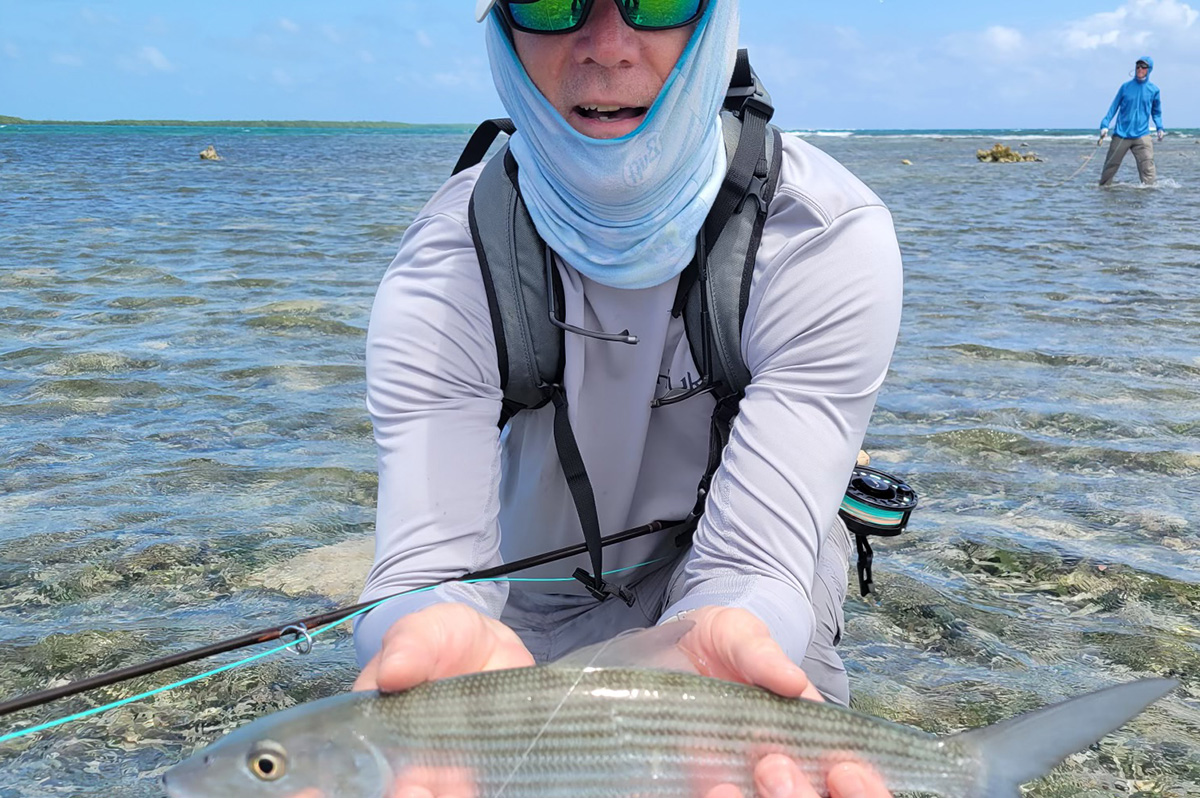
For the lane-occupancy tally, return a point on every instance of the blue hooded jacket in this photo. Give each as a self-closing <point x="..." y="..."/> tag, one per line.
<point x="1136" y="102"/>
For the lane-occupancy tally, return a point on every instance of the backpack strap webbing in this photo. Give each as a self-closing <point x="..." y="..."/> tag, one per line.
<point x="717" y="310"/>
<point x="750" y="103"/>
<point x="528" y="346"/>
<point x="481" y="142"/>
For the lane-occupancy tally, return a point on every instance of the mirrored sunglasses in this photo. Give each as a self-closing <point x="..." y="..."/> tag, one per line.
<point x="566" y="16"/>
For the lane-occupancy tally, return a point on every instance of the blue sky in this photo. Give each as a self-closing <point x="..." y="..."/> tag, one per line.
<point x="841" y="64"/>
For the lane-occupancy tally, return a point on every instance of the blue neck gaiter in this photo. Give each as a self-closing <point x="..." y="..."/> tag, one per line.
<point x="625" y="212"/>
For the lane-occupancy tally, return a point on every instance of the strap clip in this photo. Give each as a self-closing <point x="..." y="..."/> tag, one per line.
<point x="755" y="191"/>
<point x="866" y="556"/>
<point x="601" y="590"/>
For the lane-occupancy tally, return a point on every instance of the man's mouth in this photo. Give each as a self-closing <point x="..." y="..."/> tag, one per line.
<point x="610" y="113"/>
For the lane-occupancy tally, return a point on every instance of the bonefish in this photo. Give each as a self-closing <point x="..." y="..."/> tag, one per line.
<point x="586" y="730"/>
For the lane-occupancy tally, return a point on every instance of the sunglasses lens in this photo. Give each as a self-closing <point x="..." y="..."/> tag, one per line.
<point x="661" y="13"/>
<point x="547" y="16"/>
<point x="552" y="16"/>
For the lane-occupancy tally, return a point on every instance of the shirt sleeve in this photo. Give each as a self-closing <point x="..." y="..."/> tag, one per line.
<point x="433" y="395"/>
<point x="1112" y="110"/>
<point x="1156" y="110"/>
<point x="820" y="328"/>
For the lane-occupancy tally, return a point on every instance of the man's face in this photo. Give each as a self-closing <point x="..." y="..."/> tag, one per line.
<point x="604" y="77"/>
<point x="1142" y="70"/>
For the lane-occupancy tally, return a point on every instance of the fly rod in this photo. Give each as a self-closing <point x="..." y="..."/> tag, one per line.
<point x="300" y="627"/>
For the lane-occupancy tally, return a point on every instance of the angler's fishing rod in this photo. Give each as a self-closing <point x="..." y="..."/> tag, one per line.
<point x="1083" y="165"/>
<point x="301" y="627"/>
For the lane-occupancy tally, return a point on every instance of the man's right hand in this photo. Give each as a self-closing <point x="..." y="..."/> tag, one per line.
<point x="441" y="641"/>
<point x="1103" y="135"/>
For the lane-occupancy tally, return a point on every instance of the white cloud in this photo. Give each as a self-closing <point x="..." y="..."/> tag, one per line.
<point x="1003" y="40"/>
<point x="424" y="40"/>
<point x="1137" y="23"/>
<point x="467" y="76"/>
<point x="153" y="57"/>
<point x="289" y="26"/>
<point x="66" y="59"/>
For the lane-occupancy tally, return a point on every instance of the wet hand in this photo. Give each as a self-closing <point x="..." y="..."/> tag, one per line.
<point x="733" y="644"/>
<point x="779" y="777"/>
<point x="438" y="642"/>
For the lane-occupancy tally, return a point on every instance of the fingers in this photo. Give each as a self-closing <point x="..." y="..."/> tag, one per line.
<point x="778" y="776"/>
<point x="369" y="678"/>
<point x="733" y="644"/>
<point x="441" y="641"/>
<point x="724" y="791"/>
<point x="852" y="780"/>
<point x="435" y="782"/>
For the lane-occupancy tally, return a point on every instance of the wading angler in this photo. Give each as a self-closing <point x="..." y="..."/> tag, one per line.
<point x="1137" y="102"/>
<point x="643" y="227"/>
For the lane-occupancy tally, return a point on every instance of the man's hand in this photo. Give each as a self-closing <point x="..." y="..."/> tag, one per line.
<point x="441" y="641"/>
<point x="1161" y="133"/>
<point x="1103" y="135"/>
<point x="733" y="644"/>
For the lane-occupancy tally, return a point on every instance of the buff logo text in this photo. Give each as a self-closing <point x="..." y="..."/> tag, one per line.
<point x="637" y="169"/>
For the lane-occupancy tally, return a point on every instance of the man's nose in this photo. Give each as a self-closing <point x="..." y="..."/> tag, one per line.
<point x="605" y="38"/>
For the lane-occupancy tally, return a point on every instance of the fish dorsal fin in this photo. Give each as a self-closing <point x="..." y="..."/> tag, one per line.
<point x="656" y="647"/>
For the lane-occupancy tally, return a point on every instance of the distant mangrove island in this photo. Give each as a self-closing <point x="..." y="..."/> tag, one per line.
<point x="262" y="123"/>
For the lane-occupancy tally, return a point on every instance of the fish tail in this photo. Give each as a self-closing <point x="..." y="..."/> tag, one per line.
<point x="1028" y="746"/>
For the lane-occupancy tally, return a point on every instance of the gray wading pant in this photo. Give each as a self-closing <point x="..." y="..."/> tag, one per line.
<point x="553" y="625"/>
<point x="1143" y="153"/>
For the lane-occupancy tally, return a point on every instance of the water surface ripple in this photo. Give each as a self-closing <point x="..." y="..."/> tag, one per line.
<point x="181" y="394"/>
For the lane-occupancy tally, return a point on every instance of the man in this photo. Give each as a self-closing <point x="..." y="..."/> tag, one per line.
<point x="1137" y="101"/>
<point x="620" y="158"/>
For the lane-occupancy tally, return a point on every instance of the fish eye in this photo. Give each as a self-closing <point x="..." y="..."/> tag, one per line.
<point x="268" y="761"/>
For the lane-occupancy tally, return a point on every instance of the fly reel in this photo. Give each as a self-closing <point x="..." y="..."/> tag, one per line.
<point x="876" y="503"/>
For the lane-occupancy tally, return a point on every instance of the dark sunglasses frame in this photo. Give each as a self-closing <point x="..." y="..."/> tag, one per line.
<point x="1141" y="65"/>
<point x="503" y="5"/>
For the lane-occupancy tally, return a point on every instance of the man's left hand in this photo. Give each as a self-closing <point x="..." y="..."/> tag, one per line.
<point x="732" y="644"/>
<point x="1161" y="134"/>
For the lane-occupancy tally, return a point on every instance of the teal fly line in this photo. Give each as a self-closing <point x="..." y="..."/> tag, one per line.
<point x="263" y="654"/>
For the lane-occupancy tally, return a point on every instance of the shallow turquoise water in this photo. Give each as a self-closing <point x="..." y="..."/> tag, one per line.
<point x="181" y="396"/>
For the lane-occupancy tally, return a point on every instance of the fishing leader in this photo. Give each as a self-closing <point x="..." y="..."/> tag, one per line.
<point x="620" y="155"/>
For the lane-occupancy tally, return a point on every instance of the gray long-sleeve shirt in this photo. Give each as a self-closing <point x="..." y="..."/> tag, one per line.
<point x="455" y="496"/>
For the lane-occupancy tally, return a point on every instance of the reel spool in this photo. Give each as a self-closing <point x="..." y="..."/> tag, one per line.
<point x="876" y="503"/>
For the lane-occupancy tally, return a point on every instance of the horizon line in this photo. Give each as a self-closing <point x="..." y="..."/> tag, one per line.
<point x="15" y="120"/>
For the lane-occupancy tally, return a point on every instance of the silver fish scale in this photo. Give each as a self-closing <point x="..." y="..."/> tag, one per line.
<point x="603" y="733"/>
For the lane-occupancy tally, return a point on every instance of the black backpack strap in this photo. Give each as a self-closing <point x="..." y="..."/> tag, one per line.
<point x="750" y="103"/>
<point x="528" y="346"/>
<point x="720" y="309"/>
<point x="518" y="274"/>
<point x="580" y="486"/>
<point x="724" y="267"/>
<point x="481" y="141"/>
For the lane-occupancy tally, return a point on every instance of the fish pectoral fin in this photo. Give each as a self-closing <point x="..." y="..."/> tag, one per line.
<point x="656" y="647"/>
